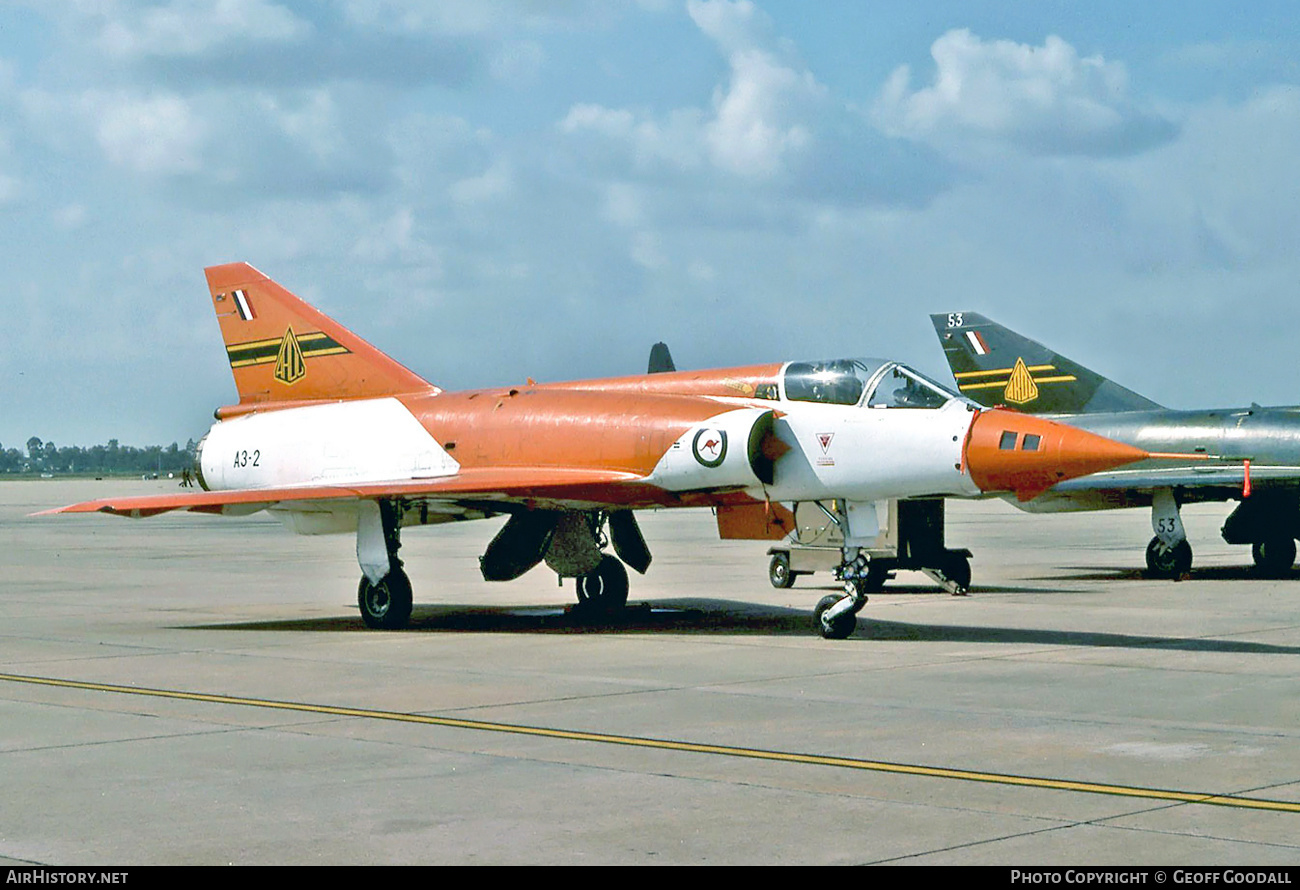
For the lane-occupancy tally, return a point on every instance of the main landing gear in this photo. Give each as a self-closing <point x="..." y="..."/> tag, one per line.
<point x="1269" y="522"/>
<point x="1168" y="555"/>
<point x="386" y="605"/>
<point x="605" y="589"/>
<point x="1274" y="556"/>
<point x="384" y="594"/>
<point x="571" y="542"/>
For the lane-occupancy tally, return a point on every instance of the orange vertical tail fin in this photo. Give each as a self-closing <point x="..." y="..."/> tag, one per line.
<point x="282" y="350"/>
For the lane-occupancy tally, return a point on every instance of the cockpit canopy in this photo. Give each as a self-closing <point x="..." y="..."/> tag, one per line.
<point x="843" y="382"/>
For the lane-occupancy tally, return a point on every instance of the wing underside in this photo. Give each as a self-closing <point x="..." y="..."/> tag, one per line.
<point x="1134" y="488"/>
<point x="502" y="487"/>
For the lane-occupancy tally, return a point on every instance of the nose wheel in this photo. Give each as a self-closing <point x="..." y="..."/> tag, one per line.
<point x="835" y="617"/>
<point x="838" y="624"/>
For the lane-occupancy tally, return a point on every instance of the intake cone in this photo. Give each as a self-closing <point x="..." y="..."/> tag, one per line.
<point x="1027" y="455"/>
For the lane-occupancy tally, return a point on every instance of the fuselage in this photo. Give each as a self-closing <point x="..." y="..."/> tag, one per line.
<point x="644" y="426"/>
<point x="861" y="430"/>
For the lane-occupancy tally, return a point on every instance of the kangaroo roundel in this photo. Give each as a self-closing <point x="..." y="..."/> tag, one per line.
<point x="710" y="446"/>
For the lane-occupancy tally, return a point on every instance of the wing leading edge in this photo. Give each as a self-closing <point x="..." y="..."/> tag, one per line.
<point x="490" y="485"/>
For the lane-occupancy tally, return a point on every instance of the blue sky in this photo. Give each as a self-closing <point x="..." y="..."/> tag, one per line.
<point x="491" y="190"/>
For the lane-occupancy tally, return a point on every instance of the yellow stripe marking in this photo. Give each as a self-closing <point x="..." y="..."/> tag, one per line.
<point x="254" y="344"/>
<point x="996" y="383"/>
<point x="962" y="374"/>
<point x="274" y="341"/>
<point x="1223" y="800"/>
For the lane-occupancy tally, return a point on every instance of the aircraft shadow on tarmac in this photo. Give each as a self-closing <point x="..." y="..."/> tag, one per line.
<point x="683" y="615"/>
<point x="886" y="631"/>
<point x="1130" y="573"/>
<point x="704" y="616"/>
<point x="676" y="616"/>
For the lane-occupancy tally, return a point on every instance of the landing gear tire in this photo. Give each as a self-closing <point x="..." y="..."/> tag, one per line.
<point x="1274" y="557"/>
<point x="840" y="627"/>
<point x="386" y="605"/>
<point x="957" y="570"/>
<point x="778" y="572"/>
<point x="605" y="588"/>
<point x="1168" y="563"/>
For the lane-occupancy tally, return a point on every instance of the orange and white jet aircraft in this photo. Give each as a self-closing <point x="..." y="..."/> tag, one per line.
<point x="331" y="435"/>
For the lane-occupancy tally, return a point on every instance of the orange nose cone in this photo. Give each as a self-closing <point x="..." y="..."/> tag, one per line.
<point x="1027" y="455"/>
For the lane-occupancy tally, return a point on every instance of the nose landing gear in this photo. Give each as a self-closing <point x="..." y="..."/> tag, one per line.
<point x="836" y="617"/>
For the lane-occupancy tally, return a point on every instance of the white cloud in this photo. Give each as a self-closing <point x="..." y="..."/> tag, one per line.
<point x="647" y="252"/>
<point x="761" y="118"/>
<point x="767" y="111"/>
<point x="394" y="239"/>
<point x="71" y="216"/>
<point x="1222" y="196"/>
<point x="678" y="141"/>
<point x="310" y="143"/>
<point x="624" y="205"/>
<point x="613" y="123"/>
<point x="757" y="125"/>
<point x="446" y="16"/>
<point x="492" y="184"/>
<point x="439" y="155"/>
<point x="9" y="188"/>
<point x="158" y="134"/>
<point x="470" y="17"/>
<point x="197" y="27"/>
<point x="734" y="26"/>
<point x="517" y="60"/>
<point x="309" y="118"/>
<point x="1042" y="100"/>
<point x="702" y="272"/>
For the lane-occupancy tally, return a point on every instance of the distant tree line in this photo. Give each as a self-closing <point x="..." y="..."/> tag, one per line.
<point x="99" y="460"/>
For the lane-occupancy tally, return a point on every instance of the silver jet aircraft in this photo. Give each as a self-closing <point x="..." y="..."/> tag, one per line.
<point x="1249" y="454"/>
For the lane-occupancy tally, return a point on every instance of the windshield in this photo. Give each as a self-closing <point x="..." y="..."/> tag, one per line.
<point x="835" y="382"/>
<point x="901" y="387"/>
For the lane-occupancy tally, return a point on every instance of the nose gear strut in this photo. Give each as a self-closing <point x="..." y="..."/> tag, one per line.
<point x="837" y="616"/>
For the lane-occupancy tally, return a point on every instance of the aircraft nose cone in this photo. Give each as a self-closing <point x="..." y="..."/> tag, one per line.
<point x="1027" y="455"/>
